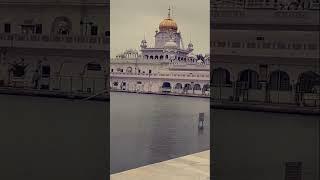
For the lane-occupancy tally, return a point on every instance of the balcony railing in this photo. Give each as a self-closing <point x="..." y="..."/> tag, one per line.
<point x="54" y="41"/>
<point x="162" y="75"/>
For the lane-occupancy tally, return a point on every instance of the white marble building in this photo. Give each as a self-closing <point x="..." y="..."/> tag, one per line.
<point x="54" y="45"/>
<point x="266" y="51"/>
<point x="168" y="67"/>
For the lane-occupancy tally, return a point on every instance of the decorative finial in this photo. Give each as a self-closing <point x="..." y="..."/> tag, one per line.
<point x="172" y="11"/>
<point x="169" y="12"/>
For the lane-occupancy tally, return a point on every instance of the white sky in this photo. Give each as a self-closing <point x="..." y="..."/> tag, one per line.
<point x="131" y="19"/>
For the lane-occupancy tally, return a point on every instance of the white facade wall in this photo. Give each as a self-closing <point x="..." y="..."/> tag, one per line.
<point x="67" y="55"/>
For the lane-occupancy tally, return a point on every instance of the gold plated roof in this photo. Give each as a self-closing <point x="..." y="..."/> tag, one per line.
<point x="168" y="24"/>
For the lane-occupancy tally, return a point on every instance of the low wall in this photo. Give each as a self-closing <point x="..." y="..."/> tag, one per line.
<point x="220" y="93"/>
<point x="282" y="97"/>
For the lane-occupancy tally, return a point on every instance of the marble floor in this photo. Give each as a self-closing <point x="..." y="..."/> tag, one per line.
<point x="191" y="167"/>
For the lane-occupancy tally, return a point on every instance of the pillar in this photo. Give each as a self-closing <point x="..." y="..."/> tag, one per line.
<point x="264" y="89"/>
<point x="234" y="88"/>
<point x="293" y="92"/>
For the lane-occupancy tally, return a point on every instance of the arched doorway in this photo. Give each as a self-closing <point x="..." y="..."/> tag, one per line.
<point x="178" y="88"/>
<point x="220" y="77"/>
<point x="308" y="82"/>
<point x="166" y="87"/>
<point x="248" y="79"/>
<point x="197" y="89"/>
<point x="206" y="89"/>
<point x="308" y="89"/>
<point x="187" y="88"/>
<point x="279" y="81"/>
<point x="279" y="88"/>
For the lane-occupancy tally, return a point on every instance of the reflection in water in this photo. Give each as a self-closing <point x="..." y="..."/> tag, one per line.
<point x="149" y="128"/>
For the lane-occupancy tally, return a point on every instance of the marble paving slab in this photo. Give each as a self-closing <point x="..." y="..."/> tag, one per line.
<point x="191" y="167"/>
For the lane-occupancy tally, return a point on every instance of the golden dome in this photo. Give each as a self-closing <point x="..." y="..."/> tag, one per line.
<point x="168" y="24"/>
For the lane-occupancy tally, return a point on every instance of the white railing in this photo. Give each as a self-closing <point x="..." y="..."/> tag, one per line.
<point x="60" y="83"/>
<point x="162" y="75"/>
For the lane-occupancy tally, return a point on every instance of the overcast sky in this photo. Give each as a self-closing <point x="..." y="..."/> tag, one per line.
<point x="131" y="19"/>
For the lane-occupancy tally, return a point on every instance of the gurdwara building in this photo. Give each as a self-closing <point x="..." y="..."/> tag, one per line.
<point x="168" y="67"/>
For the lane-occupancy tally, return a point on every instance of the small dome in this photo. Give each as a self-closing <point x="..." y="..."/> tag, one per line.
<point x="143" y="44"/>
<point x="170" y="45"/>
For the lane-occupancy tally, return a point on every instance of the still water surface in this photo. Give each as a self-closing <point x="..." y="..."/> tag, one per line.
<point x="144" y="129"/>
<point x="61" y="136"/>
<point x="147" y="129"/>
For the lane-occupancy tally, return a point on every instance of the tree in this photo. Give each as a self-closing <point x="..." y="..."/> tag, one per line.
<point x="200" y="57"/>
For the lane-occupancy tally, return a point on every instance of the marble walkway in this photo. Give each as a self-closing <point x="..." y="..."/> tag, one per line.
<point x="190" y="167"/>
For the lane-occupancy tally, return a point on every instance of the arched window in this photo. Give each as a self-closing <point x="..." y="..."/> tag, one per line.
<point x="178" y="86"/>
<point x="156" y="57"/>
<point x="279" y="80"/>
<point x="221" y="77"/>
<point x="197" y="87"/>
<point x="249" y="79"/>
<point x="146" y="56"/>
<point x="206" y="87"/>
<point x="151" y="57"/>
<point x="129" y="70"/>
<point x="167" y="57"/>
<point x="187" y="87"/>
<point x="307" y="81"/>
<point x="161" y="57"/>
<point x="166" y="85"/>
<point x="61" y="25"/>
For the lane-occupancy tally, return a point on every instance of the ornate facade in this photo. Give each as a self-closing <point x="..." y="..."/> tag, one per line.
<point x="168" y="67"/>
<point x="54" y="46"/>
<point x="266" y="51"/>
